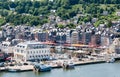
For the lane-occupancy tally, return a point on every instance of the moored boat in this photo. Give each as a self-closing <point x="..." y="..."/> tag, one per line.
<point x="68" y="65"/>
<point x="14" y="70"/>
<point x="42" y="68"/>
<point x="111" y="60"/>
<point x="20" y="67"/>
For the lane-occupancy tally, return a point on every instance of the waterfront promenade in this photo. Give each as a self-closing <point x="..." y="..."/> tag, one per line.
<point x="92" y="70"/>
<point x="54" y="64"/>
<point x="76" y="62"/>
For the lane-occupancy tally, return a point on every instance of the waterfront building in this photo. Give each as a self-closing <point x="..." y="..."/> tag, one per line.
<point x="52" y="35"/>
<point x="88" y="37"/>
<point x="115" y="46"/>
<point x="105" y="41"/>
<point x="31" y="51"/>
<point x="98" y="39"/>
<point x="93" y="41"/>
<point x="68" y="36"/>
<point x="80" y="37"/>
<point x="41" y="36"/>
<point x="60" y="37"/>
<point x="75" y="37"/>
<point x="6" y="47"/>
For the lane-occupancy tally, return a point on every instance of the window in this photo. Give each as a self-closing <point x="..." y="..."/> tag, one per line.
<point x="23" y="46"/>
<point x="21" y="51"/>
<point x="17" y="50"/>
<point x="44" y="55"/>
<point x="20" y="46"/>
<point x="17" y="45"/>
<point x="40" y="51"/>
<point x="28" y="52"/>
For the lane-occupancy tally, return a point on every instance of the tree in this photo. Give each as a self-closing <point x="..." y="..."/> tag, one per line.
<point x="71" y="25"/>
<point x="3" y="13"/>
<point x="60" y="26"/>
<point x="73" y="2"/>
<point x="109" y="23"/>
<point x="34" y="21"/>
<point x="36" y="4"/>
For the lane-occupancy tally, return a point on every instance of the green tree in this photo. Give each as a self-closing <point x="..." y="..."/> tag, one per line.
<point x="109" y="23"/>
<point x="60" y="26"/>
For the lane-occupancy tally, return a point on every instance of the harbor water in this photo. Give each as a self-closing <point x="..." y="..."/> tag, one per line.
<point x="92" y="70"/>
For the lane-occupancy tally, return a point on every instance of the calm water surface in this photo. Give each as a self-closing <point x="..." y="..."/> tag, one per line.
<point x="95" y="70"/>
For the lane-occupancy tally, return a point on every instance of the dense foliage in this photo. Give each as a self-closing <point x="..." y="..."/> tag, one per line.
<point x="30" y="12"/>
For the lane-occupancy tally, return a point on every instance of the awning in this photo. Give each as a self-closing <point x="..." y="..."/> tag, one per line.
<point x="79" y="45"/>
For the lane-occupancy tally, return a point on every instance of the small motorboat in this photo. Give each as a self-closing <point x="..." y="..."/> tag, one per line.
<point x="20" y="67"/>
<point x="14" y="70"/>
<point x="111" y="60"/>
<point x="68" y="65"/>
<point x="42" y="68"/>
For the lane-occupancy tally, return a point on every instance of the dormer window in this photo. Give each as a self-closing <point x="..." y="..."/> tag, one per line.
<point x="23" y="46"/>
<point x="17" y="45"/>
<point x="20" y="46"/>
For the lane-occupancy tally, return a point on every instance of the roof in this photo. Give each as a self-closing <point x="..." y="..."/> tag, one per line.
<point x="29" y="42"/>
<point x="79" y="51"/>
<point x="6" y="42"/>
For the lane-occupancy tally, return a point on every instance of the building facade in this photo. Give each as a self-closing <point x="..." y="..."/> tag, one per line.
<point x="75" y="37"/>
<point x="31" y="51"/>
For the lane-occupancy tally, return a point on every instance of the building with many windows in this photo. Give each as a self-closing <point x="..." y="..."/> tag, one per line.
<point x="31" y="51"/>
<point x="74" y="37"/>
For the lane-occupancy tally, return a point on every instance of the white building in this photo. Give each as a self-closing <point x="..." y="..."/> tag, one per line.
<point x="6" y="47"/>
<point x="31" y="50"/>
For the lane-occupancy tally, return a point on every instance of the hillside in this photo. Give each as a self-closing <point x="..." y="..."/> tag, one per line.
<point x="27" y="11"/>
